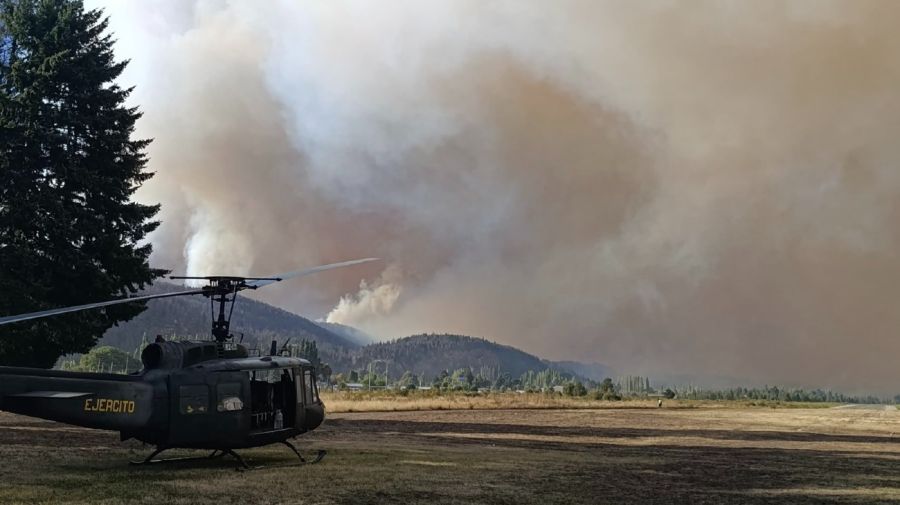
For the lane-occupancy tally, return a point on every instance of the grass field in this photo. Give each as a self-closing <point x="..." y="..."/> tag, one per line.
<point x="609" y="455"/>
<point x="390" y="401"/>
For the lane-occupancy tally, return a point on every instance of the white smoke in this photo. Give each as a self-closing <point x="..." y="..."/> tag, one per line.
<point x="661" y="186"/>
<point x="368" y="302"/>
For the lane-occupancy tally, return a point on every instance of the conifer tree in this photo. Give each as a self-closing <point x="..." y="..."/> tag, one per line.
<point x="69" y="165"/>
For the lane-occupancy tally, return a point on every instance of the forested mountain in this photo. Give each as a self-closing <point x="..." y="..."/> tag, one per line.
<point x="338" y="346"/>
<point x="350" y="333"/>
<point x="428" y="355"/>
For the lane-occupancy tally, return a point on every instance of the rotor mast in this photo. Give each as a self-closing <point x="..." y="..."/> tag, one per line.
<point x="222" y="291"/>
<point x="221" y="325"/>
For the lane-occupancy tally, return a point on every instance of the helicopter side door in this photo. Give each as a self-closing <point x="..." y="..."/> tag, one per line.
<point x="208" y="410"/>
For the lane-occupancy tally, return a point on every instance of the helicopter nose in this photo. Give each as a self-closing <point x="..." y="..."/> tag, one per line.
<point x="315" y="414"/>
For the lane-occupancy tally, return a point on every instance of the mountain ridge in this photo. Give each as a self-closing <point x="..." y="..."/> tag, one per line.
<point x="258" y="323"/>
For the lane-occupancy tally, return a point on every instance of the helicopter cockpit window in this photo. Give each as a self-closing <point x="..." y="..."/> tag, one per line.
<point x="309" y="381"/>
<point x="228" y="396"/>
<point x="193" y="399"/>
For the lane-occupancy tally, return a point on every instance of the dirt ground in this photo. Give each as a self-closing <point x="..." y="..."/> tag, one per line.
<point x="716" y="455"/>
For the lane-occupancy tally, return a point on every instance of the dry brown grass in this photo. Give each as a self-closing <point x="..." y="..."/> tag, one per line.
<point x="389" y="401"/>
<point x="547" y="456"/>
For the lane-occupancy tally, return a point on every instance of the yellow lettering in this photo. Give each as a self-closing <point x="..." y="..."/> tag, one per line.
<point x="109" y="405"/>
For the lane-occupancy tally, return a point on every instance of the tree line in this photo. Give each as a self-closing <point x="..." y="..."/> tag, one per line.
<point x="550" y="381"/>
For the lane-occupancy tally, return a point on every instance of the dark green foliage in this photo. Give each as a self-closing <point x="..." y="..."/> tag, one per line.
<point x="772" y="393"/>
<point x="574" y="388"/>
<point x="607" y="386"/>
<point x="462" y="379"/>
<point x="309" y="350"/>
<point x="430" y="354"/>
<point x="324" y="372"/>
<point x="104" y="358"/>
<point x="634" y="385"/>
<point x="373" y="380"/>
<point x="408" y="381"/>
<point x="606" y="390"/>
<point x="503" y="382"/>
<point x="69" y="232"/>
<point x="542" y="380"/>
<point x="441" y="379"/>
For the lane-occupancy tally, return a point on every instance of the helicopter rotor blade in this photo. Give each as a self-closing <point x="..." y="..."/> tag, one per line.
<point x="252" y="283"/>
<point x="53" y="312"/>
<point x="306" y="271"/>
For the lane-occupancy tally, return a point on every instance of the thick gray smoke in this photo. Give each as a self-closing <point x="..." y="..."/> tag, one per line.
<point x="666" y="187"/>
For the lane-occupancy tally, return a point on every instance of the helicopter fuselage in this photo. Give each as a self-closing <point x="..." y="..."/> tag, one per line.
<point x="187" y="396"/>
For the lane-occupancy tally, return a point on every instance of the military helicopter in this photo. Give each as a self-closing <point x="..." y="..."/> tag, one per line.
<point x="192" y="395"/>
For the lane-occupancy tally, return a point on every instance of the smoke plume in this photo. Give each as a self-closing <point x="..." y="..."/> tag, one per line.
<point x="665" y="187"/>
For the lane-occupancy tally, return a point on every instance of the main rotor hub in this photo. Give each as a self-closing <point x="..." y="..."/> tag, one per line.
<point x="223" y="290"/>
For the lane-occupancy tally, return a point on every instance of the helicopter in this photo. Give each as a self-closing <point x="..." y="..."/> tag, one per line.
<point x="209" y="395"/>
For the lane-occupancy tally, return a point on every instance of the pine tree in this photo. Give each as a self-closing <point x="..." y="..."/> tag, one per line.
<point x="310" y="352"/>
<point x="69" y="232"/>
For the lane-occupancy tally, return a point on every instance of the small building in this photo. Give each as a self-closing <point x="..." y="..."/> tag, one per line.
<point x="355" y="386"/>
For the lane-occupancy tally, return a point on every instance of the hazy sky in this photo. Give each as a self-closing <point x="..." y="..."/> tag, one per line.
<point x="665" y="187"/>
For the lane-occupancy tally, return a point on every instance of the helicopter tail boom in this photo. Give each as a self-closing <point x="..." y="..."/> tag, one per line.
<point x="103" y="401"/>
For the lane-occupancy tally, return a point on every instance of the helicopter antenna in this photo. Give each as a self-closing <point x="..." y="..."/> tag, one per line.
<point x="284" y="346"/>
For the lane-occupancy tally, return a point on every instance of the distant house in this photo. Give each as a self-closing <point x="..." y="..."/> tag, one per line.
<point x="557" y="389"/>
<point x="355" y="386"/>
<point x="423" y="388"/>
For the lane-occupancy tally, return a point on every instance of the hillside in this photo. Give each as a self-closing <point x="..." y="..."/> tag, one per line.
<point x="592" y="371"/>
<point x="350" y="333"/>
<point x="190" y="316"/>
<point x="339" y="346"/>
<point x="430" y="354"/>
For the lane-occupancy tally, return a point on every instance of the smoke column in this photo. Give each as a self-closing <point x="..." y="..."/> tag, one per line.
<point x="665" y="187"/>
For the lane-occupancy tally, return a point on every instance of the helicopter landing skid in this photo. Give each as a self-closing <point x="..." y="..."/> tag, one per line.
<point x="319" y="455"/>
<point x="303" y="461"/>
<point x="216" y="454"/>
